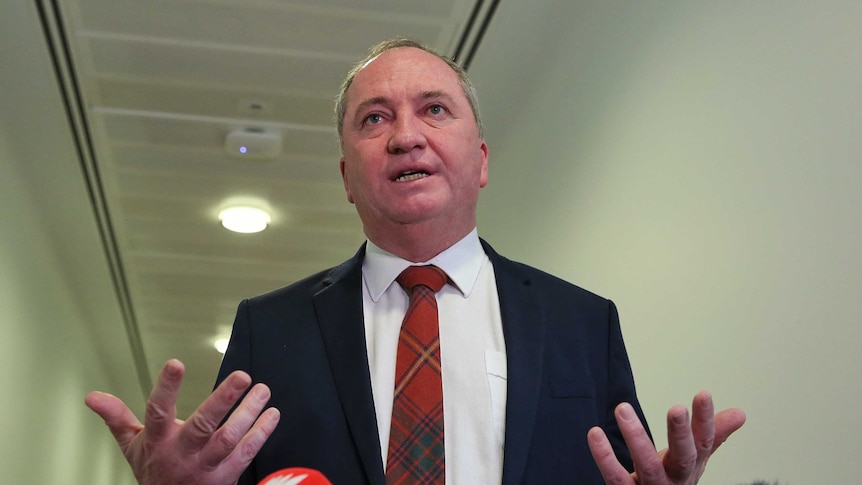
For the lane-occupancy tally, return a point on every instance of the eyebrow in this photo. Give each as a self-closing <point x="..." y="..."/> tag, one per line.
<point x="371" y="102"/>
<point x="435" y="95"/>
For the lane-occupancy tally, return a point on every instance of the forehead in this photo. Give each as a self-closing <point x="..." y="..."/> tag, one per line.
<point x="403" y="70"/>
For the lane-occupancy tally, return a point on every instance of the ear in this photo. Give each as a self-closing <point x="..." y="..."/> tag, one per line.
<point x="344" y="179"/>
<point x="483" y="178"/>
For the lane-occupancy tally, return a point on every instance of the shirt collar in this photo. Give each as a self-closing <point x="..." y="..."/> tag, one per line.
<point x="461" y="262"/>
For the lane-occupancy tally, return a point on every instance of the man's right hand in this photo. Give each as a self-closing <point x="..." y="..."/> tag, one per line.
<point x="166" y="451"/>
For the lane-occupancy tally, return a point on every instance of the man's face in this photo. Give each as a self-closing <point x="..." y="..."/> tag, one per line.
<point x="412" y="152"/>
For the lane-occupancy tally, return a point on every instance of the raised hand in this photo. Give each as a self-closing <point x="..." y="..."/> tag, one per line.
<point x="690" y="444"/>
<point x="168" y="451"/>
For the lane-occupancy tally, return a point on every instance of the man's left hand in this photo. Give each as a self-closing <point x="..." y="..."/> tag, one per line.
<point x="690" y="444"/>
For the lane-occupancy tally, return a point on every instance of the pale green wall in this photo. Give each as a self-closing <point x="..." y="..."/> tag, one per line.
<point x="57" y="307"/>
<point x="700" y="163"/>
<point x="47" y="358"/>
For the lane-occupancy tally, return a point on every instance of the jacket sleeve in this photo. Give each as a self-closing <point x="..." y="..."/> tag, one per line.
<point x="238" y="357"/>
<point x="621" y="388"/>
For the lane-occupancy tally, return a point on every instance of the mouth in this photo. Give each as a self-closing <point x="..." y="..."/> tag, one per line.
<point x="411" y="175"/>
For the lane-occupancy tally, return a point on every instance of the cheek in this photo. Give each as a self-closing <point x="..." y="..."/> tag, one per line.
<point x="358" y="186"/>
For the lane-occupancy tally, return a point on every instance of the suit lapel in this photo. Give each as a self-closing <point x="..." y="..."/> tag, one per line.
<point x="524" y="332"/>
<point x="339" y="311"/>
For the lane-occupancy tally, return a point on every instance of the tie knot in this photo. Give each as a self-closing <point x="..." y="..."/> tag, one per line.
<point x="430" y="276"/>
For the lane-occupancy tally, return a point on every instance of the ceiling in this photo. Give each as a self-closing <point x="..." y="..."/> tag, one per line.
<point x="153" y="88"/>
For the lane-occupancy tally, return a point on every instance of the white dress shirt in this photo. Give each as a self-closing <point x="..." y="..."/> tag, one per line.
<point x="472" y="352"/>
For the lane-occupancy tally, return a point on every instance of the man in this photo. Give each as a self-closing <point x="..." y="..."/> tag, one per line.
<point x="534" y="371"/>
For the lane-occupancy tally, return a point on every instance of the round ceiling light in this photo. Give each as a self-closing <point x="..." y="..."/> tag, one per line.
<point x="244" y="219"/>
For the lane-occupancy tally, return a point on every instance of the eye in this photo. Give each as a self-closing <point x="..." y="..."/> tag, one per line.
<point x="436" y="109"/>
<point x="373" y="119"/>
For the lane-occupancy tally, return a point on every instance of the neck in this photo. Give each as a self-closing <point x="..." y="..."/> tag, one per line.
<point x="417" y="243"/>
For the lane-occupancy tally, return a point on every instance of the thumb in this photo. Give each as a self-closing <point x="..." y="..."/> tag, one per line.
<point x="726" y="422"/>
<point x="122" y="422"/>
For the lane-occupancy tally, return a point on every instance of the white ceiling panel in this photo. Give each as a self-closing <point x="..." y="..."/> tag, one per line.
<point x="211" y="102"/>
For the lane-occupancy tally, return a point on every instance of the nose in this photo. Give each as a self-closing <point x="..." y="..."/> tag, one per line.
<point x="406" y="135"/>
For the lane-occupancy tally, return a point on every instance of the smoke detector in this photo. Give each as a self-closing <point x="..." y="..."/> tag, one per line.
<point x="253" y="143"/>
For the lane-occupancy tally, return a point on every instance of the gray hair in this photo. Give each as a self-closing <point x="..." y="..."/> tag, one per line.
<point x="395" y="43"/>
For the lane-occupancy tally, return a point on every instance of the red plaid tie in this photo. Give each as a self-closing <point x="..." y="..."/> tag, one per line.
<point x="416" y="435"/>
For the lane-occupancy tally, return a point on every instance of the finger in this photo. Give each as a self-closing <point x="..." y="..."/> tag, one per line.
<point x="161" y="408"/>
<point x="603" y="453"/>
<point x="726" y="423"/>
<point x="237" y="426"/>
<point x="703" y="424"/>
<point x="681" y="458"/>
<point x="253" y="441"/>
<point x="648" y="465"/>
<point x="122" y="422"/>
<point x="205" y="420"/>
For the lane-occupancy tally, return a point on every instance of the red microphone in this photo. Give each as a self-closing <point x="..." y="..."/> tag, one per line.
<point x="295" y="476"/>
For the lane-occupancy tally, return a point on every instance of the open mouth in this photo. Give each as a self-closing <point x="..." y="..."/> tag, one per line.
<point x="411" y="175"/>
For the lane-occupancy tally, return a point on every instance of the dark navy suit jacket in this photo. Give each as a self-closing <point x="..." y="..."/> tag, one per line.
<point x="567" y="370"/>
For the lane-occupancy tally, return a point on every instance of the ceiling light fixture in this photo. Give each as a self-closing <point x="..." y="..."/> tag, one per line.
<point x="253" y="143"/>
<point x="244" y="219"/>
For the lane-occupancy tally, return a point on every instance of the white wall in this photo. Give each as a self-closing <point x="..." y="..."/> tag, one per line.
<point x="54" y="285"/>
<point x="698" y="163"/>
<point x="47" y="360"/>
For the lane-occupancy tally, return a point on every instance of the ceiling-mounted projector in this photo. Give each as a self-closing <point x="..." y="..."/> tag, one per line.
<point x="253" y="143"/>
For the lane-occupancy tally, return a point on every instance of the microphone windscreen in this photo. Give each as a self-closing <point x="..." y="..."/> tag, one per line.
<point x="295" y="476"/>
